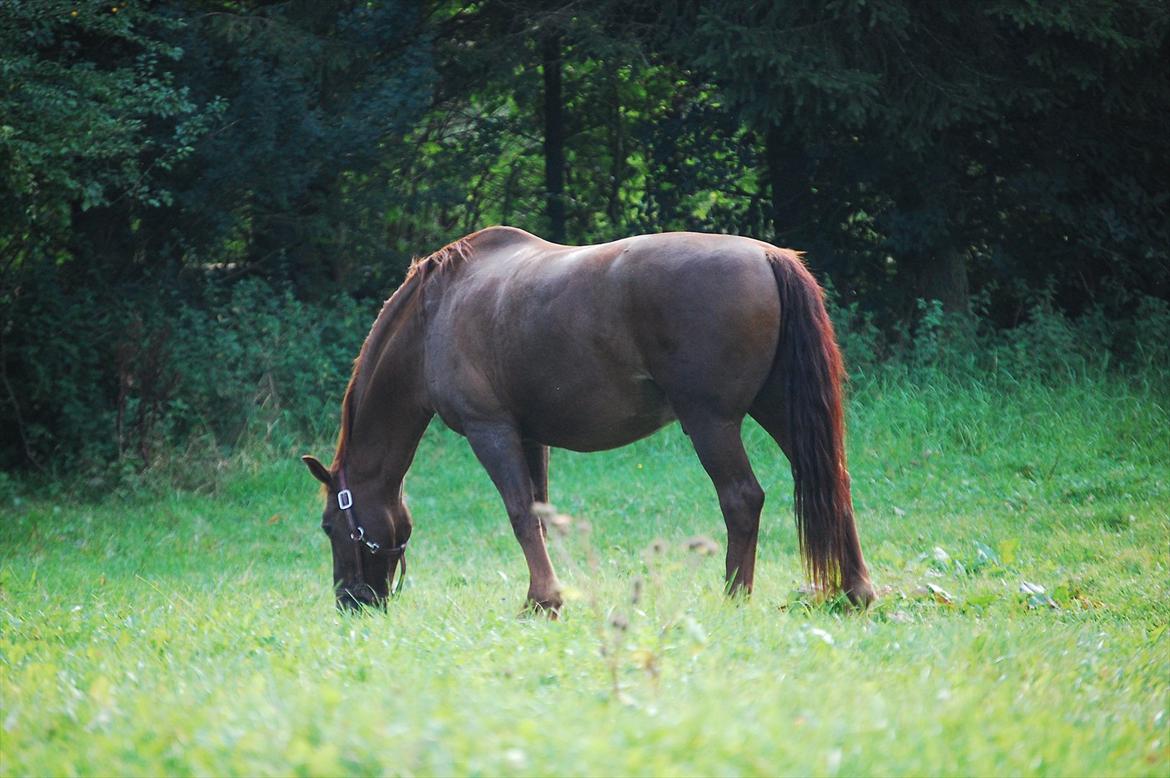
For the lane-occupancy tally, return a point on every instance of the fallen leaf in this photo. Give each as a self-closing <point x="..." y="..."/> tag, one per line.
<point x="936" y="593"/>
<point x="1037" y="596"/>
<point x="941" y="560"/>
<point x="984" y="555"/>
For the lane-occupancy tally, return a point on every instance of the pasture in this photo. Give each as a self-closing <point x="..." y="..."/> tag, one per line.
<point x="1018" y="534"/>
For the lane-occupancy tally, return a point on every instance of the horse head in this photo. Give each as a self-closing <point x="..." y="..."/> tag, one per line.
<point x="365" y="555"/>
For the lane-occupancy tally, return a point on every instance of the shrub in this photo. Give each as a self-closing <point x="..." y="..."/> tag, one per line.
<point x="97" y="378"/>
<point x="107" y="380"/>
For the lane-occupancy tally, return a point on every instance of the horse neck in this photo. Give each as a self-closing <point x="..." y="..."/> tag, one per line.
<point x="390" y="410"/>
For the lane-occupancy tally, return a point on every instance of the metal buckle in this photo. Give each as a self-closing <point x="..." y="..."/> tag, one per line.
<point x="360" y="536"/>
<point x="344" y="499"/>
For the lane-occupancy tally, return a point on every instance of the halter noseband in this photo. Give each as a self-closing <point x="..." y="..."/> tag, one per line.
<point x="357" y="534"/>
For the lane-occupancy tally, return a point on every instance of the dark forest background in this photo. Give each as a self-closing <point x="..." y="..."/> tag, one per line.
<point x="203" y="203"/>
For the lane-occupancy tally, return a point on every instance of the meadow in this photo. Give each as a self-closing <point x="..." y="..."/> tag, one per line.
<point x="1017" y="531"/>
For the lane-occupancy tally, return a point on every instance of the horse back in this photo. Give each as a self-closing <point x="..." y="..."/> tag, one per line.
<point x="590" y="347"/>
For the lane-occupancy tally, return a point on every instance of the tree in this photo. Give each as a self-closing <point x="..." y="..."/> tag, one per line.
<point x="319" y="97"/>
<point x="899" y="136"/>
<point x="92" y="118"/>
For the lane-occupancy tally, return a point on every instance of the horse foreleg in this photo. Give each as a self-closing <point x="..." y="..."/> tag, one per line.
<point x="720" y="449"/>
<point x="499" y="449"/>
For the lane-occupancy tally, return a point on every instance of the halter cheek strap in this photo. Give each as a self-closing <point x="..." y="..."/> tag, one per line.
<point x="357" y="534"/>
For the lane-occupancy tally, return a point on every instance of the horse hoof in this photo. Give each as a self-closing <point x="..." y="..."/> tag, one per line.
<point x="550" y="608"/>
<point x="861" y="594"/>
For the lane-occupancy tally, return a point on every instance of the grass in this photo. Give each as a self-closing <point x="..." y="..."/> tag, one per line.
<point x="194" y="632"/>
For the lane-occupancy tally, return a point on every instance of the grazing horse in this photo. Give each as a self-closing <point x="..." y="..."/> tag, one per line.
<point x="519" y="344"/>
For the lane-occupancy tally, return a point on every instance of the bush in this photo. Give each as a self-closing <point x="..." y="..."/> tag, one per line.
<point x="1147" y="336"/>
<point x="863" y="345"/>
<point x="106" y="380"/>
<point x="256" y="363"/>
<point x="1131" y="336"/>
<point x="100" y="377"/>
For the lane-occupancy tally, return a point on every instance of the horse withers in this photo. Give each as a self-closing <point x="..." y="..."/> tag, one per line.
<point x="520" y="345"/>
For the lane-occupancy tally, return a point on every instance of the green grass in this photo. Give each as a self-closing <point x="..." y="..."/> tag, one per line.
<point x="194" y="632"/>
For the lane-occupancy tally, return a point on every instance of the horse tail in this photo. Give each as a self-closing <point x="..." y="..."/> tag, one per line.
<point x="808" y="374"/>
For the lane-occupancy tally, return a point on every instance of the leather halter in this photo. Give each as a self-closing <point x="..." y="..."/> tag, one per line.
<point x="357" y="534"/>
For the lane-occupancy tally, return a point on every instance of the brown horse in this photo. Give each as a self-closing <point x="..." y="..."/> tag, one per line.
<point x="520" y="344"/>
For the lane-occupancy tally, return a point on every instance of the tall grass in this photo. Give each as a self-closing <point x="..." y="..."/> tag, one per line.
<point x="1018" y="530"/>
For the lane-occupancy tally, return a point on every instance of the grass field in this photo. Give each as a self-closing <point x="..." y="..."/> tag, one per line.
<point x="194" y="632"/>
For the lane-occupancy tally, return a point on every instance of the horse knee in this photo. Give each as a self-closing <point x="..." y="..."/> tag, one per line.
<point x="754" y="498"/>
<point x="748" y="497"/>
<point x="741" y="503"/>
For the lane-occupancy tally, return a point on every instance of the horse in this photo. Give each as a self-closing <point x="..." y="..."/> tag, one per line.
<point x="519" y="345"/>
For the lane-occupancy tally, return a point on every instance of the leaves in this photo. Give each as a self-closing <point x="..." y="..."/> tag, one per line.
<point x="940" y="595"/>
<point x="1035" y="596"/>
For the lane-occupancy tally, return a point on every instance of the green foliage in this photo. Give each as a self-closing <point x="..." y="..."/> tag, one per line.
<point x="201" y="202"/>
<point x="258" y="362"/>
<point x="1149" y="338"/>
<point x="1047" y="346"/>
<point x="1005" y="159"/>
<point x="91" y="117"/>
<point x="141" y="377"/>
<point x="1021" y="136"/>
<point x="297" y="179"/>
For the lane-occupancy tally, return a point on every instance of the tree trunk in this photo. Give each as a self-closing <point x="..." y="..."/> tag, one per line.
<point x="554" y="138"/>
<point x="788" y="174"/>
<point x="943" y="277"/>
<point x="617" y="152"/>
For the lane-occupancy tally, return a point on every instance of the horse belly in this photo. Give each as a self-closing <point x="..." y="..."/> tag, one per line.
<point x="602" y="413"/>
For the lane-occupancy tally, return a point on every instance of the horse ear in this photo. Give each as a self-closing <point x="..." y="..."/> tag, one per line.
<point x="319" y="471"/>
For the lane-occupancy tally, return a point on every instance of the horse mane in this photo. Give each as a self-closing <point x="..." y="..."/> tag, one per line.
<point x="454" y="253"/>
<point x="418" y="275"/>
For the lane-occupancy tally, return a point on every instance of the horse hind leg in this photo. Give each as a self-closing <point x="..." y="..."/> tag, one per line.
<point x="502" y="454"/>
<point x="720" y="449"/>
<point x="536" y="454"/>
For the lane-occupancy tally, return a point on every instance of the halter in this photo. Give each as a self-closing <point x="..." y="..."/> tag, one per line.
<point x="357" y="534"/>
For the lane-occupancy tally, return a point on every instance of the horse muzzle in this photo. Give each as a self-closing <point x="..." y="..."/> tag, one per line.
<point x="359" y="597"/>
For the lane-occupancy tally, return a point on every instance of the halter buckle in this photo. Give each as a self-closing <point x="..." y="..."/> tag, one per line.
<point x="345" y="499"/>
